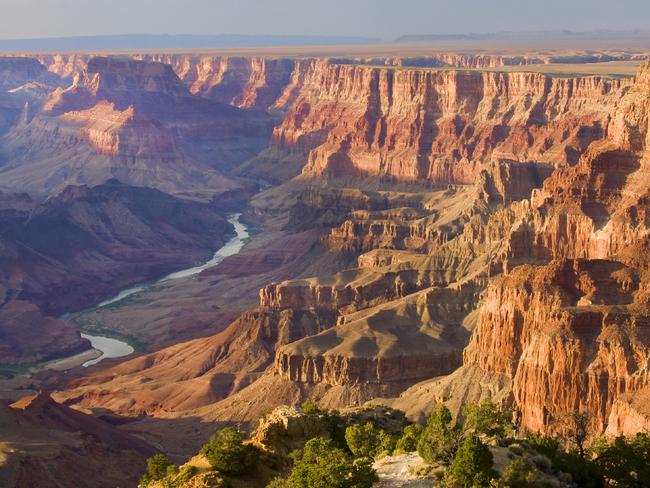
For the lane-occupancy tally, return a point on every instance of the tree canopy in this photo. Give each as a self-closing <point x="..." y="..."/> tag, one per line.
<point x="320" y="464"/>
<point x="227" y="452"/>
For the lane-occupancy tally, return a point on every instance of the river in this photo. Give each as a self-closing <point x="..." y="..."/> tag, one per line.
<point x="114" y="348"/>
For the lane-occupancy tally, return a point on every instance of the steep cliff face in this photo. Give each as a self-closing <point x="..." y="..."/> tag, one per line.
<point x="18" y="71"/>
<point x="24" y="82"/>
<point x="570" y="336"/>
<point x="138" y="122"/>
<point x="421" y="226"/>
<point x="64" y="65"/>
<point x="349" y="290"/>
<point x="385" y="347"/>
<point x="415" y="123"/>
<point x="573" y="335"/>
<point x="436" y="125"/>
<point x="240" y="81"/>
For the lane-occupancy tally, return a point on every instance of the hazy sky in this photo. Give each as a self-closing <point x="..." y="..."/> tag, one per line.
<point x="380" y="18"/>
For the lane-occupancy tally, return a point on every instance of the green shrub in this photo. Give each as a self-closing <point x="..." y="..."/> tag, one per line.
<point x="546" y="445"/>
<point x="336" y="428"/>
<point x="543" y="463"/>
<point x="584" y="472"/>
<point x="362" y="439"/>
<point x="472" y="465"/>
<point x="440" y="438"/>
<point x="427" y="471"/>
<point x="625" y="462"/>
<point x="311" y="408"/>
<point x="158" y="467"/>
<point x="520" y="473"/>
<point x="516" y="449"/>
<point x="409" y="440"/>
<point x="487" y="418"/>
<point x="226" y="452"/>
<point x="278" y="483"/>
<point x="366" y="440"/>
<point x="386" y="444"/>
<point x="185" y="474"/>
<point x="320" y="464"/>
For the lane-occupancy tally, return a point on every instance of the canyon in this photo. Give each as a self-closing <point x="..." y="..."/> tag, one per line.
<point x="423" y="229"/>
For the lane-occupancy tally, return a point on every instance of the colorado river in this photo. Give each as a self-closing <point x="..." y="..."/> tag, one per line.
<point x="110" y="348"/>
<point x="114" y="348"/>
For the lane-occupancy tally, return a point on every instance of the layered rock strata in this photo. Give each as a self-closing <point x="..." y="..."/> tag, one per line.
<point x="571" y="332"/>
<point x="136" y="121"/>
<point x="440" y="126"/>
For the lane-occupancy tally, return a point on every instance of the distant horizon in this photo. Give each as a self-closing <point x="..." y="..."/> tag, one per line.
<point x="153" y="41"/>
<point x="469" y="34"/>
<point x="381" y="19"/>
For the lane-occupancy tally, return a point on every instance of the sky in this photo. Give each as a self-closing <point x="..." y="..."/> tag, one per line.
<point x="386" y="19"/>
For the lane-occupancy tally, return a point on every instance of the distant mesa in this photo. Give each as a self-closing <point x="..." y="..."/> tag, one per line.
<point x="553" y="35"/>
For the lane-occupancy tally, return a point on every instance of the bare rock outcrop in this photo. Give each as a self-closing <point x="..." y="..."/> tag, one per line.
<point x="388" y="346"/>
<point x="570" y="331"/>
<point x="136" y="121"/>
<point x="46" y="443"/>
<point x="568" y="335"/>
<point x="287" y="428"/>
<point x="19" y="71"/>
<point x="439" y="126"/>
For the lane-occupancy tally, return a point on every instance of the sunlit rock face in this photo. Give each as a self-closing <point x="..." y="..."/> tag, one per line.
<point x="573" y="335"/>
<point x="439" y="126"/>
<point x="136" y="121"/>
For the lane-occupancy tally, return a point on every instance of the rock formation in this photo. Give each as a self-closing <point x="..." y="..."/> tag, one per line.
<point x="47" y="444"/>
<point x="135" y="121"/>
<point x="570" y="332"/>
<point x="439" y="126"/>
<point x="18" y="71"/>
<point x="287" y="428"/>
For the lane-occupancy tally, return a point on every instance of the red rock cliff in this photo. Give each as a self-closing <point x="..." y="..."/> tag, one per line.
<point x="575" y="335"/>
<point x="439" y="126"/>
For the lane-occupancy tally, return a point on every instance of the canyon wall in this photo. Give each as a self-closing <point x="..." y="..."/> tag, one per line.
<point x="440" y="126"/>
<point x="403" y="122"/>
<point x="135" y="121"/>
<point x="565" y="329"/>
<point x="381" y="347"/>
<point x="574" y="334"/>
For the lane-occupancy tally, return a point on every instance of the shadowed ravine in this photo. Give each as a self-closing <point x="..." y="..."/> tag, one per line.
<point x="115" y="348"/>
